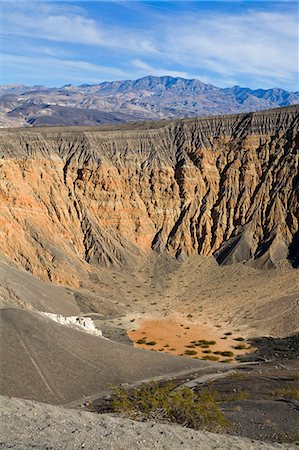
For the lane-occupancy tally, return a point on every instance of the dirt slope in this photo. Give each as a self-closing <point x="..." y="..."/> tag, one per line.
<point x="31" y="425"/>
<point x="52" y="363"/>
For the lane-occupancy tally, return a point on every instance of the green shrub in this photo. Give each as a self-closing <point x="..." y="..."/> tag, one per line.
<point x="181" y="405"/>
<point x="240" y="347"/>
<point x="227" y="353"/>
<point x="190" y="352"/>
<point x="141" y="341"/>
<point x="290" y="392"/>
<point x="151" y="343"/>
<point x="211" y="358"/>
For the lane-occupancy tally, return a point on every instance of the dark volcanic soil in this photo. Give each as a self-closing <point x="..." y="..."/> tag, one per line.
<point x="260" y="399"/>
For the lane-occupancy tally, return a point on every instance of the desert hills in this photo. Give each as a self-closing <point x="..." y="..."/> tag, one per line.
<point x="147" y="98"/>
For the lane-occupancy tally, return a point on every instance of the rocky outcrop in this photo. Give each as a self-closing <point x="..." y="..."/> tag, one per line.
<point x="85" y="324"/>
<point x="225" y="186"/>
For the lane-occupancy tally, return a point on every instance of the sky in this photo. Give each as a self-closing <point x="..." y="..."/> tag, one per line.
<point x="225" y="43"/>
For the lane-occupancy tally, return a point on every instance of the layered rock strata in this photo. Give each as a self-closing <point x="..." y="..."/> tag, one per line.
<point x="225" y="186"/>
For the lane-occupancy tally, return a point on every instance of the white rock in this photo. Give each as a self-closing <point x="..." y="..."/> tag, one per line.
<point x="85" y="324"/>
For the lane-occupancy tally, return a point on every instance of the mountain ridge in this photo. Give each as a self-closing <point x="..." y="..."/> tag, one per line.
<point x="142" y="99"/>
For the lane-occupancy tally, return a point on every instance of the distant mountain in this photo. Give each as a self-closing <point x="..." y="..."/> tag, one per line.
<point x="121" y="101"/>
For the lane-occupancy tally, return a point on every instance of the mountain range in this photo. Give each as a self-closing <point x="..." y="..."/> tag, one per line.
<point x="124" y="101"/>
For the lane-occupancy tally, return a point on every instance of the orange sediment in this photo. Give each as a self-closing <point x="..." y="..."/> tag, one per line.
<point x="180" y="337"/>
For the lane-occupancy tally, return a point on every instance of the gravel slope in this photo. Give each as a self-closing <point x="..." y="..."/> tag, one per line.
<point x="30" y="425"/>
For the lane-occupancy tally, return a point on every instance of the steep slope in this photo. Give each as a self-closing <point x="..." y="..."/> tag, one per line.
<point x="75" y="198"/>
<point x="146" y="98"/>
<point x="59" y="365"/>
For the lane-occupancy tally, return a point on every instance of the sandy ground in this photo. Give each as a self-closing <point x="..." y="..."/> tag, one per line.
<point x="177" y="335"/>
<point x="29" y="425"/>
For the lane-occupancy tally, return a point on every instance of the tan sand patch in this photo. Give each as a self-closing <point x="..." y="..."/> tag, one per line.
<point x="180" y="336"/>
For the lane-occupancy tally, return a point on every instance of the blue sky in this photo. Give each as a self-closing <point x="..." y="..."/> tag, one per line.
<point x="249" y="43"/>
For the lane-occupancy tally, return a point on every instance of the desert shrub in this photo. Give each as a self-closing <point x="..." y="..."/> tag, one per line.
<point x="290" y="392"/>
<point x="190" y="352"/>
<point x="240" y="347"/>
<point x="207" y="351"/>
<point x="190" y="346"/>
<point x="229" y="333"/>
<point x="151" y="343"/>
<point x="141" y="341"/>
<point x="179" y="405"/>
<point x="240" y="339"/>
<point x="224" y="337"/>
<point x="236" y="375"/>
<point x="227" y="353"/>
<point x="236" y="396"/>
<point x="211" y="358"/>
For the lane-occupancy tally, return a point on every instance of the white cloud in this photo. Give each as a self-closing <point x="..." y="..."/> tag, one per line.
<point x="220" y="47"/>
<point x="70" y="25"/>
<point x="158" y="72"/>
<point x="257" y="43"/>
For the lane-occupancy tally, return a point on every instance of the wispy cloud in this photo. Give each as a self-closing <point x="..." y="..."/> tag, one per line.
<point x="71" y="68"/>
<point x="70" y="24"/>
<point x="247" y="45"/>
<point x="158" y="72"/>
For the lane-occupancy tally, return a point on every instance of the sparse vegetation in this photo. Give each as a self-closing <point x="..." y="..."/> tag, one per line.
<point x="190" y="352"/>
<point x="236" y="375"/>
<point x="290" y="392"/>
<point x="211" y="358"/>
<point x="235" y="396"/>
<point x="166" y="403"/>
<point x="239" y="339"/>
<point x="151" y="343"/>
<point x="240" y="347"/>
<point x="227" y="353"/>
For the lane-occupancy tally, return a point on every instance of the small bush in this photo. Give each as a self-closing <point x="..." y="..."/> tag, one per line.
<point x="151" y="343"/>
<point x="190" y="352"/>
<point x="228" y="333"/>
<point x="211" y="358"/>
<point x="236" y="396"/>
<point x="240" y="347"/>
<point x="227" y="353"/>
<point x="141" y="341"/>
<point x="239" y="339"/>
<point x="236" y="375"/>
<point x="207" y="351"/>
<point x="290" y="392"/>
